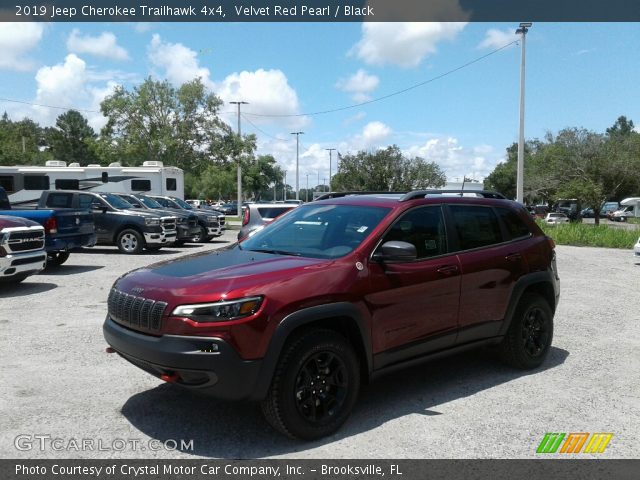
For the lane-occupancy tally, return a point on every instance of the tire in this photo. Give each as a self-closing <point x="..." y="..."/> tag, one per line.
<point x="55" y="259"/>
<point x="528" y="340"/>
<point x="200" y="237"/>
<point x="130" y="242"/>
<point x="296" y="404"/>
<point x="178" y="243"/>
<point x="153" y="248"/>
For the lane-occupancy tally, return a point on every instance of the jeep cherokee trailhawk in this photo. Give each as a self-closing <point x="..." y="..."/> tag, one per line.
<point x="336" y="293"/>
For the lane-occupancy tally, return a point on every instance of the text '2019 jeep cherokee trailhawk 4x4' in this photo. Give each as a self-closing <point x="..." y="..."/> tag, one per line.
<point x="337" y="292"/>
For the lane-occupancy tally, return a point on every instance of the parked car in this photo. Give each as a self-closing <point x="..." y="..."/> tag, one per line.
<point x="256" y="215"/>
<point x="116" y="223"/>
<point x="228" y="208"/>
<point x="588" y="213"/>
<point x="556" y="218"/>
<point x="187" y="223"/>
<point x="336" y="293"/>
<point x="22" y="253"/>
<point x="210" y="224"/>
<point x="66" y="228"/>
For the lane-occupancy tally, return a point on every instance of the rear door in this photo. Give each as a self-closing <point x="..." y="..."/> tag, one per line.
<point x="490" y="265"/>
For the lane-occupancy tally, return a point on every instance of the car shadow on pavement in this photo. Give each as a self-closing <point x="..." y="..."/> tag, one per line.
<point x="237" y="429"/>
<point x="115" y="251"/>
<point x="24" y="288"/>
<point x="71" y="269"/>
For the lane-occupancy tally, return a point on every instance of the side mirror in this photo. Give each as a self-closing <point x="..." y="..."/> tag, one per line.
<point x="98" y="207"/>
<point x="395" y="251"/>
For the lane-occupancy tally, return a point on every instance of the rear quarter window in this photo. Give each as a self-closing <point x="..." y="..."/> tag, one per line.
<point x="515" y="226"/>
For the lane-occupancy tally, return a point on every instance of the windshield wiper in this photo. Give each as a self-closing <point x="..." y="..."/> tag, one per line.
<point x="276" y="252"/>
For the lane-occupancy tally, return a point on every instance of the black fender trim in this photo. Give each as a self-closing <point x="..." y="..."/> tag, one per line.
<point x="303" y="317"/>
<point x="524" y="282"/>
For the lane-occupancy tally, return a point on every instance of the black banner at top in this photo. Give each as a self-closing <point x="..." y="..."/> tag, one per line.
<point x="319" y="10"/>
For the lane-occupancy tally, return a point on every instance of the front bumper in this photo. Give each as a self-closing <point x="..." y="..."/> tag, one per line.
<point x="214" y="231"/>
<point x="206" y="364"/>
<point x="16" y="263"/>
<point x="186" y="232"/>
<point x="160" y="238"/>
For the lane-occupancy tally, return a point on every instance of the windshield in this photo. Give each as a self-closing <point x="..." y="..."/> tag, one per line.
<point x="132" y="200"/>
<point x="183" y="204"/>
<point x="317" y="231"/>
<point x="149" y="202"/>
<point x="115" y="201"/>
<point x="165" y="202"/>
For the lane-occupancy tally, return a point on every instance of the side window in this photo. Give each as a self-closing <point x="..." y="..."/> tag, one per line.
<point x="36" y="182"/>
<point x="172" y="184"/>
<point x="6" y="182"/>
<point x="67" y="184"/>
<point x="141" y="185"/>
<point x="476" y="226"/>
<point x="60" y="200"/>
<point x="424" y="228"/>
<point x="516" y="228"/>
<point x="84" y="201"/>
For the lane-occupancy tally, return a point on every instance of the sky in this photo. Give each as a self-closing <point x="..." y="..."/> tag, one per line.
<point x="577" y="75"/>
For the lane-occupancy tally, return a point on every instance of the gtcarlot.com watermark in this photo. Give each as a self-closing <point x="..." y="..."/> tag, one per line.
<point x="42" y="443"/>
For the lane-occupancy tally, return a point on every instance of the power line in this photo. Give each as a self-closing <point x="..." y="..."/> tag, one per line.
<point x="49" y="106"/>
<point x="262" y="131"/>
<point x="393" y="94"/>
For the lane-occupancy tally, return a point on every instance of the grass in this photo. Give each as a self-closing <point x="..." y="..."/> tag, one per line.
<point x="589" y="235"/>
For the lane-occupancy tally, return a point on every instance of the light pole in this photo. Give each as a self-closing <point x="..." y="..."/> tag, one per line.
<point x="238" y="160"/>
<point x="330" y="152"/>
<point x="284" y="188"/>
<point x="297" y="134"/>
<point x="522" y="30"/>
<point x="306" y="193"/>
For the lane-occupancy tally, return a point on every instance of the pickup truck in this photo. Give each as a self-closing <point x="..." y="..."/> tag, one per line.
<point x="211" y="224"/>
<point x="116" y="224"/>
<point x="21" y="249"/>
<point x="65" y="229"/>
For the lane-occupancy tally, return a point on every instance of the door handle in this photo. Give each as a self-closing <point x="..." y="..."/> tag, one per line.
<point x="448" y="270"/>
<point x="514" y="257"/>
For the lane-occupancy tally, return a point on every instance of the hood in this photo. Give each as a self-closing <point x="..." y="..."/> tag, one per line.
<point x="213" y="275"/>
<point x="13" y="222"/>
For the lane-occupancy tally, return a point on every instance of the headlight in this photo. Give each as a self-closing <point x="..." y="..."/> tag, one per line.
<point x="219" y="311"/>
<point x="152" y="221"/>
<point x="212" y="219"/>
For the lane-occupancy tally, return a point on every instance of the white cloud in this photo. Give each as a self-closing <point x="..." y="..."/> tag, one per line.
<point x="402" y="43"/>
<point x="70" y="85"/>
<point x="268" y="93"/>
<point x="16" y="39"/>
<point x="104" y="45"/>
<point x="179" y="63"/>
<point x="360" y="85"/>
<point x="142" y="27"/>
<point x="498" y="38"/>
<point x="456" y="160"/>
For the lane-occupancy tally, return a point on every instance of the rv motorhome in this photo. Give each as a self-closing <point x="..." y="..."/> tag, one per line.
<point x="25" y="184"/>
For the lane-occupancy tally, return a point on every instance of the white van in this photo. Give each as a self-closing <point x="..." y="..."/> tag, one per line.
<point x="629" y="208"/>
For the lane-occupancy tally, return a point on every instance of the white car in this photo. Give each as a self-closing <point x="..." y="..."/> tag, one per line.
<point x="636" y="249"/>
<point x="555" y="218"/>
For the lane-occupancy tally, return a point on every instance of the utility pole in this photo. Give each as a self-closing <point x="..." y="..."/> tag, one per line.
<point x="238" y="160"/>
<point x="330" y="152"/>
<point x="284" y="188"/>
<point x="297" y="134"/>
<point x="522" y="30"/>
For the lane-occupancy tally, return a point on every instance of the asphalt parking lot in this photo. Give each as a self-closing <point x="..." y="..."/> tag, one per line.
<point x="58" y="382"/>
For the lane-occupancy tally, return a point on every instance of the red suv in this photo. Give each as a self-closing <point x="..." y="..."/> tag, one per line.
<point x="336" y="293"/>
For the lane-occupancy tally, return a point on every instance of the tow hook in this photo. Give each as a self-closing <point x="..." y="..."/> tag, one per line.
<point x="170" y="377"/>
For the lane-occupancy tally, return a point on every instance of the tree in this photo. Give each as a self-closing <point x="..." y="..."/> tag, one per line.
<point x="21" y="142"/>
<point x="621" y="127"/>
<point x="156" y="121"/>
<point x="386" y="170"/>
<point x="72" y="138"/>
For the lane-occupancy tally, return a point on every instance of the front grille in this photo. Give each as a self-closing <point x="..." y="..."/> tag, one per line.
<point x="168" y="223"/>
<point x="136" y="312"/>
<point x="25" y="239"/>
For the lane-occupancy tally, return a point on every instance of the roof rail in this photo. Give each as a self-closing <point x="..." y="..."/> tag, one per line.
<point x="424" y="193"/>
<point x="328" y="195"/>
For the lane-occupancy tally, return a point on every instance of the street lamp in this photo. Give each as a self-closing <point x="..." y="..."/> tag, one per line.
<point x="297" y="134"/>
<point x="522" y="30"/>
<point x="330" y="152"/>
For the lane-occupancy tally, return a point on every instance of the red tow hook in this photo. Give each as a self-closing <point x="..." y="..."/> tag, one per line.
<point x="170" y="377"/>
<point x="109" y="350"/>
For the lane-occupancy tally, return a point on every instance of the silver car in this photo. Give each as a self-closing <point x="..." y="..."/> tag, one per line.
<point x="256" y="215"/>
